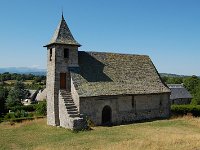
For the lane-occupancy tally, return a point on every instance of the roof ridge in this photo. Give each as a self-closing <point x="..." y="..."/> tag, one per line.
<point x="115" y="53"/>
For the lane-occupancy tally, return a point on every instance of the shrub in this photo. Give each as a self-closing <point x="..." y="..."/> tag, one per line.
<point x="41" y="108"/>
<point x="186" y="109"/>
<point x="28" y="108"/>
<point x="17" y="114"/>
<point x="9" y="116"/>
<point x="30" y="114"/>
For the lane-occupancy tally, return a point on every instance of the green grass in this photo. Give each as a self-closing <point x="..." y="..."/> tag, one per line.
<point x="181" y="133"/>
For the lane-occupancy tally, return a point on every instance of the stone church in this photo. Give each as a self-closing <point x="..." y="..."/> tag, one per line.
<point x="108" y="88"/>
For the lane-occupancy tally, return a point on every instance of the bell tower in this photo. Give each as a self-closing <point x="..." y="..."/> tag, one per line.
<point x="62" y="53"/>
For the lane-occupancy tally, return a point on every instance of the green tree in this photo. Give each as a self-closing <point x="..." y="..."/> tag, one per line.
<point x="191" y="84"/>
<point x="196" y="96"/>
<point x="16" y="94"/>
<point x="3" y="95"/>
<point x="174" y="80"/>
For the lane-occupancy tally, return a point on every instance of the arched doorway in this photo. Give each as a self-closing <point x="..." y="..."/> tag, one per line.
<point x="106" y="115"/>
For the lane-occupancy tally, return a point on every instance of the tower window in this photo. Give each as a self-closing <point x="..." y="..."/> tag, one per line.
<point x="50" y="56"/>
<point x="66" y="53"/>
<point x="160" y="102"/>
<point x="133" y="102"/>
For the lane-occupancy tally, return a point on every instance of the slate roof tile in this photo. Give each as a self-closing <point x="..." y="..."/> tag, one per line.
<point x="63" y="35"/>
<point x="116" y="74"/>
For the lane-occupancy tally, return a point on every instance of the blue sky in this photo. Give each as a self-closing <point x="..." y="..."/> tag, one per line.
<point x="166" y="30"/>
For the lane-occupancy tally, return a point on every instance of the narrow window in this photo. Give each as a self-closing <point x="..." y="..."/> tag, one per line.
<point x="66" y="53"/>
<point x="133" y="102"/>
<point x="50" y="56"/>
<point x="160" y="102"/>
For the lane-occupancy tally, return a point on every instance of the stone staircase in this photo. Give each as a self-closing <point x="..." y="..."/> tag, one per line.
<point x="69" y="114"/>
<point x="72" y="110"/>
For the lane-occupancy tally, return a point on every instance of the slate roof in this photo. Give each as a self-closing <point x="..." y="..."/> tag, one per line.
<point x="63" y="35"/>
<point x="178" y="91"/>
<point x="116" y="74"/>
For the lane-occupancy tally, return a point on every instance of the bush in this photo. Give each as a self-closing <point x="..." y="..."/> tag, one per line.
<point x="31" y="114"/>
<point x="41" y="108"/>
<point x="17" y="114"/>
<point x="9" y="116"/>
<point x="185" y="109"/>
<point x="28" y="108"/>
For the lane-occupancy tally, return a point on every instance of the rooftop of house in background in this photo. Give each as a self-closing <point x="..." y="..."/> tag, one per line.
<point x="178" y="91"/>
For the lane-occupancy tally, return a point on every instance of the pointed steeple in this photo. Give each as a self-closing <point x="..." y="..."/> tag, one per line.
<point x="62" y="16"/>
<point x="63" y="35"/>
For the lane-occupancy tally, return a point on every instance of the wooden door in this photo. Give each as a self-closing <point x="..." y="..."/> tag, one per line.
<point x="62" y="80"/>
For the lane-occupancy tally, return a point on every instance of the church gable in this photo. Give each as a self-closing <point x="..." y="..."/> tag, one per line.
<point x="116" y="74"/>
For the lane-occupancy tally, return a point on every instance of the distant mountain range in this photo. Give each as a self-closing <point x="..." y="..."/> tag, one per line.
<point x="23" y="70"/>
<point x="37" y="71"/>
<point x="172" y="75"/>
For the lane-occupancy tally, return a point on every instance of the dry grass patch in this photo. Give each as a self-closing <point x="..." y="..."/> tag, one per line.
<point x="180" y="133"/>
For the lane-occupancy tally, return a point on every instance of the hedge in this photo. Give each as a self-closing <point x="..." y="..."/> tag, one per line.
<point x="186" y="109"/>
<point x="28" y="108"/>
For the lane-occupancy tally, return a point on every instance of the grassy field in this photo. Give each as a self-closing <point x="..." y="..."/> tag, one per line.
<point x="9" y="82"/>
<point x="179" y="134"/>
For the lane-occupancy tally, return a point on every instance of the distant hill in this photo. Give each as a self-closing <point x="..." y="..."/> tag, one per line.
<point x="37" y="71"/>
<point x="173" y="75"/>
<point x="24" y="70"/>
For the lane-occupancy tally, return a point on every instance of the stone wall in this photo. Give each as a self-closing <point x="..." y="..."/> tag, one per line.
<point x="126" y="108"/>
<point x="63" y="115"/>
<point x="52" y="99"/>
<point x="75" y="95"/>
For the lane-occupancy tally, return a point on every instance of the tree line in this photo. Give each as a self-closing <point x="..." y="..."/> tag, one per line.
<point x="21" y="77"/>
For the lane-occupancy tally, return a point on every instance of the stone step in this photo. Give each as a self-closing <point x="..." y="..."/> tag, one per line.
<point x="66" y="95"/>
<point x="69" y="103"/>
<point x="74" y="115"/>
<point x="63" y="95"/>
<point x="70" y="107"/>
<point x="72" y="112"/>
<point x="65" y="92"/>
<point x="68" y="100"/>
